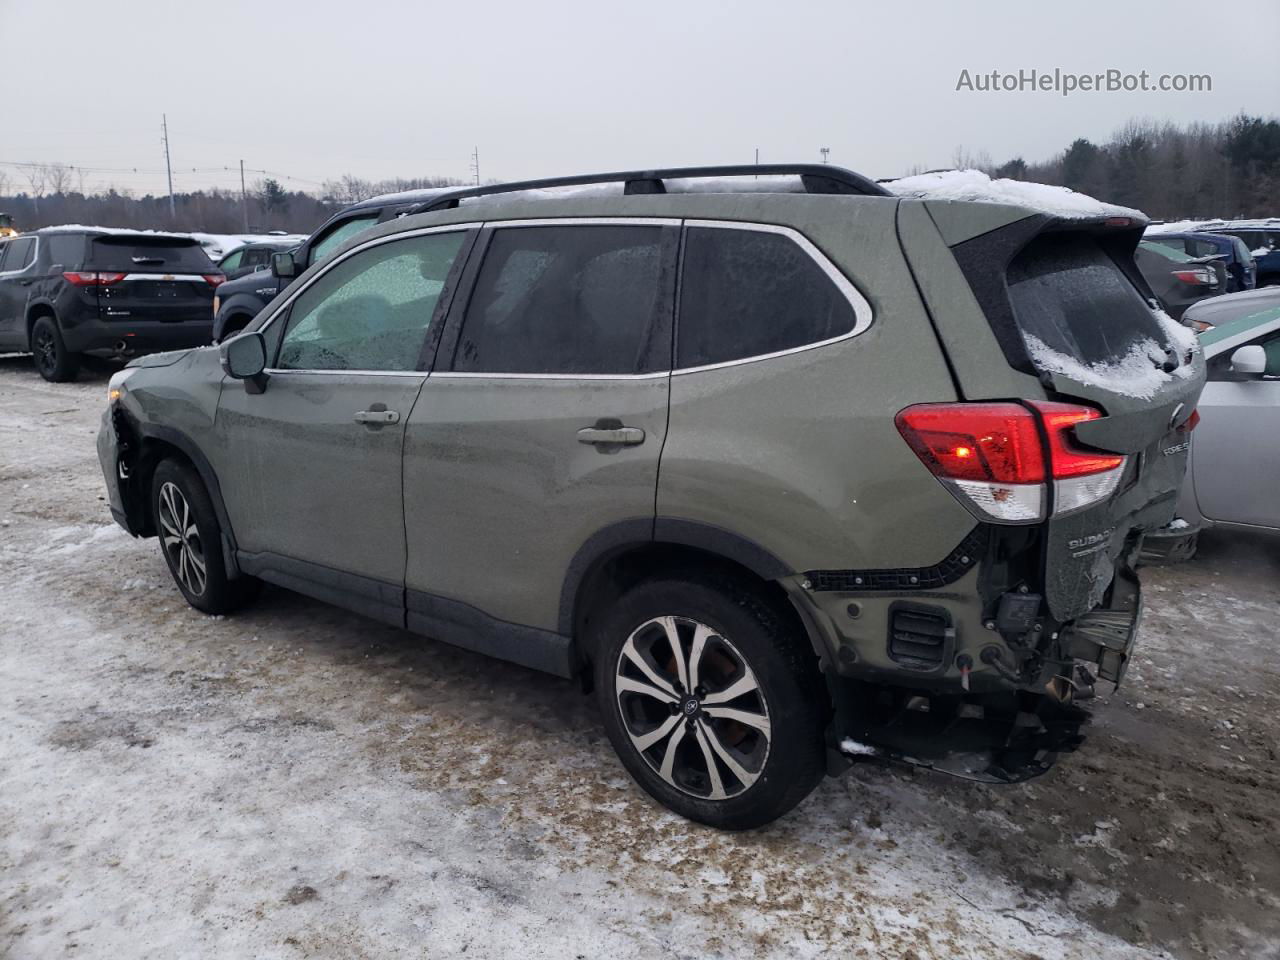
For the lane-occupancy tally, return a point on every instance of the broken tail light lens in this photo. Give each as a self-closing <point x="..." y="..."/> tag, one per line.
<point x="993" y="458"/>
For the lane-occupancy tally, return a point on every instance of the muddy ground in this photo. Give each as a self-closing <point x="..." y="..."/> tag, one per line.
<point x="296" y="781"/>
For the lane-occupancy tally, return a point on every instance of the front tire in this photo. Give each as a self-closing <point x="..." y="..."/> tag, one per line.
<point x="191" y="541"/>
<point x="52" y="359"/>
<point x="712" y="700"/>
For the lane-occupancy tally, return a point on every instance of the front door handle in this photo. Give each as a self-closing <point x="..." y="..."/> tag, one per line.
<point x="377" y="417"/>
<point x="621" y="436"/>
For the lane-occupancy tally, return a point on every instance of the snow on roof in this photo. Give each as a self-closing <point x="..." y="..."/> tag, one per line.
<point x="976" y="185"/>
<point x="122" y="231"/>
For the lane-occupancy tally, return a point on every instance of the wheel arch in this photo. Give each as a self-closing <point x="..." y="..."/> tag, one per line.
<point x="154" y="444"/>
<point x="35" y="310"/>
<point x="626" y="553"/>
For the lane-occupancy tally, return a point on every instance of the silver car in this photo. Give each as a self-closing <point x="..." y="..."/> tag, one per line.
<point x="1233" y="477"/>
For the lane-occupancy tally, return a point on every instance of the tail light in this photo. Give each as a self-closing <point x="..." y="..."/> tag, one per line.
<point x="92" y="278"/>
<point x="1197" y="277"/>
<point x="213" y="279"/>
<point x="1001" y="460"/>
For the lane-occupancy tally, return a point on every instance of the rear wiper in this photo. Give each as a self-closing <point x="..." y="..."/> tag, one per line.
<point x="147" y="259"/>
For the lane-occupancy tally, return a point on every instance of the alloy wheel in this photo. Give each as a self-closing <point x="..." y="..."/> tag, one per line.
<point x="692" y="707"/>
<point x="46" y="351"/>
<point x="181" y="539"/>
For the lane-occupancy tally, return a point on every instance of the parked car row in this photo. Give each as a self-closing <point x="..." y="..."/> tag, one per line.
<point x="1248" y="249"/>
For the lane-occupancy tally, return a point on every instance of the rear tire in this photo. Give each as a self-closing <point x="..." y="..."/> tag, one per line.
<point x="745" y="744"/>
<point x="52" y="360"/>
<point x="191" y="541"/>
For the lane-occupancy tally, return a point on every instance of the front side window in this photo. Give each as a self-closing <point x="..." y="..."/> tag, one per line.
<point x="232" y="260"/>
<point x="339" y="235"/>
<point x="372" y="310"/>
<point x="581" y="299"/>
<point x="748" y="293"/>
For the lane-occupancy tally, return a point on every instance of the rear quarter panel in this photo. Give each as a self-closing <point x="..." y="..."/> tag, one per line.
<point x="800" y="453"/>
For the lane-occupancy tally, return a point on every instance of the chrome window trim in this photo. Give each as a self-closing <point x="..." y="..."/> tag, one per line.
<point x="586" y="222"/>
<point x="34" y="257"/>
<point x="366" y="245"/>
<point x="471" y="375"/>
<point x="862" y="312"/>
<point x="284" y="372"/>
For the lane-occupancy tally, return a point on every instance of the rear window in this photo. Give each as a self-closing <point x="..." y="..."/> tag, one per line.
<point x="1071" y="296"/>
<point x="131" y="254"/>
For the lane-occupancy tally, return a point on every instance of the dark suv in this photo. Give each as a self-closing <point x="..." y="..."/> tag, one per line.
<point x="239" y="300"/>
<point x="71" y="291"/>
<point x="252" y="257"/>
<point x="789" y="478"/>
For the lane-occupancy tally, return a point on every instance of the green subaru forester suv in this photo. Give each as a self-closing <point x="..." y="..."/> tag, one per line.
<point x="791" y="472"/>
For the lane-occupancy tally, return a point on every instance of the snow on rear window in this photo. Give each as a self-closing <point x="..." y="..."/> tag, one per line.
<point x="1081" y="317"/>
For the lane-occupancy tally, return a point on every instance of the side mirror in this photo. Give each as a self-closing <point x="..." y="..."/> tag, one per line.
<point x="1249" y="361"/>
<point x="283" y="265"/>
<point x="244" y="357"/>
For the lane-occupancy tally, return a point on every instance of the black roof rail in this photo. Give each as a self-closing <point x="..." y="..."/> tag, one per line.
<point x="816" y="178"/>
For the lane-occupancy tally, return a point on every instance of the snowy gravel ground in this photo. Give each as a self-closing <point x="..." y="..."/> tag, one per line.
<point x="298" y="782"/>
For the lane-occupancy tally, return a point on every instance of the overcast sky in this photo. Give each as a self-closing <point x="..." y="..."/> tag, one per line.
<point x="313" y="89"/>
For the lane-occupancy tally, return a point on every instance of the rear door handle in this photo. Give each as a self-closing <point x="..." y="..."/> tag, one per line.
<point x="377" y="417"/>
<point x="622" y="436"/>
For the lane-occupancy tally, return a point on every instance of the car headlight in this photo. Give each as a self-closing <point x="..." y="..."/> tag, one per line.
<point x="115" y="386"/>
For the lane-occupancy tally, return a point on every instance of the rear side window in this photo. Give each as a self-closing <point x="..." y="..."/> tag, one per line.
<point x="135" y="254"/>
<point x="568" y="300"/>
<point x="747" y="293"/>
<point x="1068" y="294"/>
<point x="65" y="251"/>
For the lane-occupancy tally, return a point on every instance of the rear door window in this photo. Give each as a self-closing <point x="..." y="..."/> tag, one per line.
<point x="141" y="254"/>
<point x="749" y="293"/>
<point x="372" y="310"/>
<point x="582" y="299"/>
<point x="1068" y="295"/>
<point x="20" y="254"/>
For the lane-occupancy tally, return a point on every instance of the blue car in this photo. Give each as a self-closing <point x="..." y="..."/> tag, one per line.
<point x="1235" y="255"/>
<point x="1262" y="237"/>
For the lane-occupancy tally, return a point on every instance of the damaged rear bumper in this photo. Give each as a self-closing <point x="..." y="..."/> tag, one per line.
<point x="994" y="736"/>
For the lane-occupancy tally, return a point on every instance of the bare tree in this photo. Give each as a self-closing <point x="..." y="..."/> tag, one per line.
<point x="58" y="177"/>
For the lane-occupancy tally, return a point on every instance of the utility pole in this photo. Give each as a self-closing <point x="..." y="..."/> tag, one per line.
<point x="164" y="126"/>
<point x="757" y="176"/>
<point x="475" y="164"/>
<point x="824" y="151"/>
<point x="244" y="198"/>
